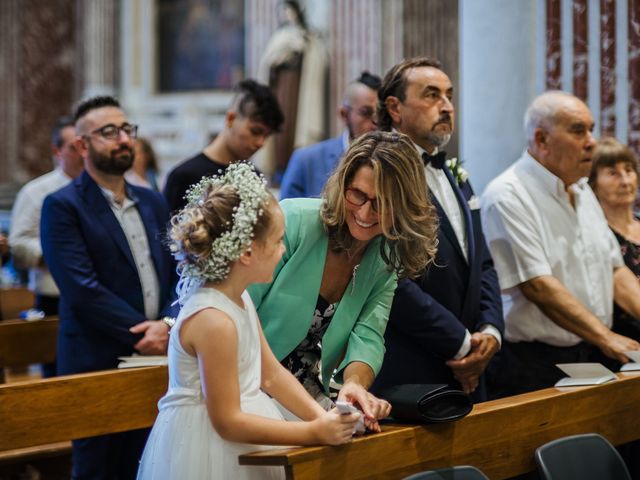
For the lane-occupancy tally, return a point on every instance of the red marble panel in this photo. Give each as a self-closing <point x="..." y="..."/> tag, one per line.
<point x="607" y="67"/>
<point x="634" y="75"/>
<point x="580" y="48"/>
<point x="554" y="46"/>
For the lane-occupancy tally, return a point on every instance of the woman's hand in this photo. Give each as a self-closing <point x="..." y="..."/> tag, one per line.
<point x="374" y="408"/>
<point x="334" y="428"/>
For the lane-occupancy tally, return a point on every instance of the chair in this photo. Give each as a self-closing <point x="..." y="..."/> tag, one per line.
<point x="452" y="473"/>
<point x="586" y="457"/>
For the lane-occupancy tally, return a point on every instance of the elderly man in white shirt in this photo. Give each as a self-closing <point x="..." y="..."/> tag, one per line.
<point x="558" y="264"/>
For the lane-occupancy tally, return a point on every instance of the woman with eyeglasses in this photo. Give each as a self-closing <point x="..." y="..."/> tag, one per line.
<point x="326" y="309"/>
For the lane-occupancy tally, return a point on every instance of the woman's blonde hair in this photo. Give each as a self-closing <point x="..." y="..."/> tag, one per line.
<point x="407" y="216"/>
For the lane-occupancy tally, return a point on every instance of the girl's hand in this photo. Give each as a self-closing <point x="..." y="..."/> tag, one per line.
<point x="334" y="428"/>
<point x="374" y="408"/>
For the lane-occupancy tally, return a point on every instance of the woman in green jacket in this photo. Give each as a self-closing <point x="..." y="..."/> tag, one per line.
<point x="326" y="309"/>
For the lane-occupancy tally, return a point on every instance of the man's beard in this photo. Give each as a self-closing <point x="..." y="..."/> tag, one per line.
<point x="438" y="141"/>
<point x="116" y="163"/>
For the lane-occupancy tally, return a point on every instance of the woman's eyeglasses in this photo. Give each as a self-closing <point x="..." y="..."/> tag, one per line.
<point x="359" y="198"/>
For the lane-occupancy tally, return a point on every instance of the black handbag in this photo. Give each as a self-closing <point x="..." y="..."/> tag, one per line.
<point x="426" y="403"/>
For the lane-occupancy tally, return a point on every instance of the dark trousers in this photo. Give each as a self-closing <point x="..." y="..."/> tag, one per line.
<point x="49" y="305"/>
<point x="528" y="366"/>
<point x="108" y="457"/>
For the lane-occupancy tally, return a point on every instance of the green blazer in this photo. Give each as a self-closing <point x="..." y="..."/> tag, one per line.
<point x="286" y="305"/>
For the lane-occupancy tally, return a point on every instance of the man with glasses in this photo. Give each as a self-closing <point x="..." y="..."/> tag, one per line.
<point x="445" y="326"/>
<point x="24" y="236"/>
<point x="309" y="167"/>
<point x="101" y="239"/>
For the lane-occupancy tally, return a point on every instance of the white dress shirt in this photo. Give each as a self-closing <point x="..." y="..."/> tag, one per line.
<point x="443" y="191"/>
<point x="129" y="219"/>
<point x="24" y="238"/>
<point x="533" y="230"/>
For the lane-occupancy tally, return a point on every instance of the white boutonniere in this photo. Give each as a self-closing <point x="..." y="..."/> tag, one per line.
<point x="459" y="173"/>
<point x="474" y="203"/>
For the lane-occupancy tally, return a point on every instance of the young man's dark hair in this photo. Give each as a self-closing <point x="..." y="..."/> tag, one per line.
<point x="92" y="103"/>
<point x="257" y="102"/>
<point x="374" y="82"/>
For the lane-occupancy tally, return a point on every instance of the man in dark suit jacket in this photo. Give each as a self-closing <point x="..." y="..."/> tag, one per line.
<point x="445" y="326"/>
<point x="310" y="167"/>
<point x="101" y="239"/>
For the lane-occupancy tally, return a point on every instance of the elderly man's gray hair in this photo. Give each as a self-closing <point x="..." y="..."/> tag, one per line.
<point x="543" y="110"/>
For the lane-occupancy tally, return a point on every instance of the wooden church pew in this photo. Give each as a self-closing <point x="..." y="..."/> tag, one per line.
<point x="39" y="418"/>
<point x="24" y="343"/>
<point x="13" y="300"/>
<point x="499" y="437"/>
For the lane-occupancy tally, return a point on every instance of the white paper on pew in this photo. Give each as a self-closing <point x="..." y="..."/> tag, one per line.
<point x="142" y="361"/>
<point x="634" y="364"/>
<point x="143" y="358"/>
<point x="633" y="355"/>
<point x="630" y="367"/>
<point x="584" y="374"/>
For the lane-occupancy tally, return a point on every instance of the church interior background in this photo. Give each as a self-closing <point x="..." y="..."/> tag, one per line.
<point x="172" y="63"/>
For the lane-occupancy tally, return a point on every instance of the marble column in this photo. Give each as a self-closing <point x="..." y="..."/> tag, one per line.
<point x="9" y="86"/>
<point x="554" y="46"/>
<point x="431" y="30"/>
<point x="97" y="27"/>
<point x="355" y="44"/>
<point x="262" y="20"/>
<point x="607" y="67"/>
<point x="634" y="75"/>
<point x="580" y="49"/>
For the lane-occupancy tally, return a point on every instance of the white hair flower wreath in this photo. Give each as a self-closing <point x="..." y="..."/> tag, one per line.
<point x="227" y="248"/>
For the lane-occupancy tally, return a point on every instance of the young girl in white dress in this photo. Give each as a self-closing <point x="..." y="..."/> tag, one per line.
<point x="228" y="236"/>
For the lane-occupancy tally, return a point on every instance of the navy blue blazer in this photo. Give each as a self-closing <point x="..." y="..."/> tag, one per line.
<point x="429" y="315"/>
<point x="310" y="167"/>
<point x="88" y="255"/>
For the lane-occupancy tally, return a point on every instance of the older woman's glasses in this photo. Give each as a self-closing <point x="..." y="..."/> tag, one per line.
<point x="358" y="198"/>
<point x="112" y="132"/>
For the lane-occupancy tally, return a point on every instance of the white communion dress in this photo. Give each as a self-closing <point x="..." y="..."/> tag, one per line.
<point x="183" y="444"/>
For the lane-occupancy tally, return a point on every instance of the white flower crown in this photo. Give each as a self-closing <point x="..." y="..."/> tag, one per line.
<point x="251" y="187"/>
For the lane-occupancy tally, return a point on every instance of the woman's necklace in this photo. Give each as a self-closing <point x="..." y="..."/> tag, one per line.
<point x="353" y="278"/>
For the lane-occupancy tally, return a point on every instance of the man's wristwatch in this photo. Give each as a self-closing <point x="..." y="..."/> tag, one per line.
<point x="168" y="321"/>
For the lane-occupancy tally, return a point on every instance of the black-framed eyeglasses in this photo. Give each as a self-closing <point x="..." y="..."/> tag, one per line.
<point x="359" y="198"/>
<point x="112" y="132"/>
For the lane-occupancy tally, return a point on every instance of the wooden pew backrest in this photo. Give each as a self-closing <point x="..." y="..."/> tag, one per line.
<point x="38" y="412"/>
<point x="13" y="300"/>
<point x="24" y="343"/>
